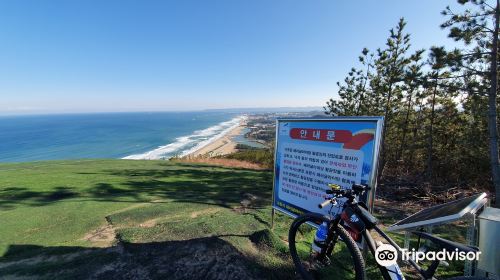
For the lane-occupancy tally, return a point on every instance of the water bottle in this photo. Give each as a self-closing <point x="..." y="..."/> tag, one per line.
<point x="319" y="238"/>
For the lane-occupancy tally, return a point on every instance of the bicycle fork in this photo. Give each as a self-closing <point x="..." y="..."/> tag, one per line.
<point x="392" y="272"/>
<point x="330" y="241"/>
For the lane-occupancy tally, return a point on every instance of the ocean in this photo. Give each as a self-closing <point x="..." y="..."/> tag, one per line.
<point x="110" y="135"/>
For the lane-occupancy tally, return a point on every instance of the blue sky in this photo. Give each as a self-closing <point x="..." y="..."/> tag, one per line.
<point x="103" y="55"/>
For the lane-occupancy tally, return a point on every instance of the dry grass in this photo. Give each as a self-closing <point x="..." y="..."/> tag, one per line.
<point x="232" y="163"/>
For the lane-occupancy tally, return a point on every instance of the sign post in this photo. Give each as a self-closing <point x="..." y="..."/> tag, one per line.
<point x="312" y="153"/>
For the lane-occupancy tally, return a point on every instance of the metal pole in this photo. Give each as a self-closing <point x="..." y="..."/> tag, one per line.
<point x="407" y="240"/>
<point x="272" y="219"/>
<point x="471" y="241"/>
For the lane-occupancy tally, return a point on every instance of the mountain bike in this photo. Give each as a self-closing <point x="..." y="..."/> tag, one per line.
<point x="337" y="256"/>
<point x="356" y="220"/>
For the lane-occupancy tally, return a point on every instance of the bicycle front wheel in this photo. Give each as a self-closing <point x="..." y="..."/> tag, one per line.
<point x="344" y="260"/>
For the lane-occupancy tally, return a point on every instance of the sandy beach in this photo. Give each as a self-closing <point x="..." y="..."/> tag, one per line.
<point x="222" y="146"/>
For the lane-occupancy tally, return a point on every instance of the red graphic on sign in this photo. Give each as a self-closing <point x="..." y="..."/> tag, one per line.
<point x="358" y="141"/>
<point x="354" y="142"/>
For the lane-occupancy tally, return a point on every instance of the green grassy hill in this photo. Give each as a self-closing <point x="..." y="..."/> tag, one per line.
<point x="136" y="219"/>
<point x="116" y="219"/>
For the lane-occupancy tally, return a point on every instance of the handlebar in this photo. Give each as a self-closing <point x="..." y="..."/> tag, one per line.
<point x="337" y="191"/>
<point x="325" y="203"/>
<point x="356" y="189"/>
<point x="360" y="188"/>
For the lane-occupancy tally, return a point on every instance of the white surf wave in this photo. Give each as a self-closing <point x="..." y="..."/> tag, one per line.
<point x="188" y="144"/>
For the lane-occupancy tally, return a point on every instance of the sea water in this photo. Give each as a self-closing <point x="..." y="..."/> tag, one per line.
<point x="110" y="135"/>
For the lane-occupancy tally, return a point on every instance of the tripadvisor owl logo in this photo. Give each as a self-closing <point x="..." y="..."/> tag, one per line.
<point x="386" y="255"/>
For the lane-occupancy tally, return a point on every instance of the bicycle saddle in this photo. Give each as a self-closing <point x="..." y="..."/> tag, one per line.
<point x="446" y="244"/>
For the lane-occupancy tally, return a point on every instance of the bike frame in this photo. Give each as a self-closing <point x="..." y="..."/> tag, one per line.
<point x="427" y="274"/>
<point x="370" y="242"/>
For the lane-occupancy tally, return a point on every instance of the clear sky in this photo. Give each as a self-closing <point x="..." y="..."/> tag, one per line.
<point x="103" y="55"/>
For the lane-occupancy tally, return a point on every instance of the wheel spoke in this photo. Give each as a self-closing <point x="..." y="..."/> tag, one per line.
<point x="344" y="262"/>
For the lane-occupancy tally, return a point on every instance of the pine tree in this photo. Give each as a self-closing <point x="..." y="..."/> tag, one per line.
<point x="437" y="62"/>
<point x="353" y="92"/>
<point x="479" y="30"/>
<point x="349" y="97"/>
<point x="413" y="82"/>
<point x="366" y="59"/>
<point x="390" y="68"/>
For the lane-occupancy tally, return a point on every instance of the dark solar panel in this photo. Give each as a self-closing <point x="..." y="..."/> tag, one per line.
<point x="442" y="210"/>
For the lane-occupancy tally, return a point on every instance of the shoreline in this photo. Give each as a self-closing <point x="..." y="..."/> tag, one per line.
<point x="221" y="146"/>
<point x="198" y="139"/>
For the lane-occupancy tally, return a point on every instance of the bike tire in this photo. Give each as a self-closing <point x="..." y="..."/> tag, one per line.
<point x="358" y="263"/>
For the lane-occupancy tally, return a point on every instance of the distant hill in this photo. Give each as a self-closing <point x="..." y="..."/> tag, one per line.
<point x="270" y="110"/>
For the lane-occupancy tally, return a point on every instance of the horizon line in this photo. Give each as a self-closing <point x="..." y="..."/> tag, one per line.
<point x="45" y="113"/>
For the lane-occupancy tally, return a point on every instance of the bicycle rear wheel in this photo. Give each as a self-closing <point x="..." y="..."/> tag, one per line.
<point x="344" y="261"/>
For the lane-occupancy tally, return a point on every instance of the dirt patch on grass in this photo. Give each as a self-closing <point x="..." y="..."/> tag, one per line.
<point x="131" y="207"/>
<point x="103" y="236"/>
<point x="224" y="162"/>
<point x="247" y="202"/>
<point x="206" y="211"/>
<point x="149" y="223"/>
<point x="153" y="222"/>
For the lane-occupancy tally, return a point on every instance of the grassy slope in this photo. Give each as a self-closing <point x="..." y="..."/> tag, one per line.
<point x="52" y="206"/>
<point x="56" y="219"/>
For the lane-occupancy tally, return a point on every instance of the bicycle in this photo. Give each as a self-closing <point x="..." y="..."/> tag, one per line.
<point x="356" y="221"/>
<point x="338" y="257"/>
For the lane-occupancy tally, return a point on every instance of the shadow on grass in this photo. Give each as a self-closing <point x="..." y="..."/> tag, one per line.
<point x="225" y="187"/>
<point x="10" y="197"/>
<point x="203" y="258"/>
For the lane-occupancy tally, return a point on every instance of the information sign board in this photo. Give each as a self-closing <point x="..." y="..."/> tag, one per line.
<point x="312" y="153"/>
